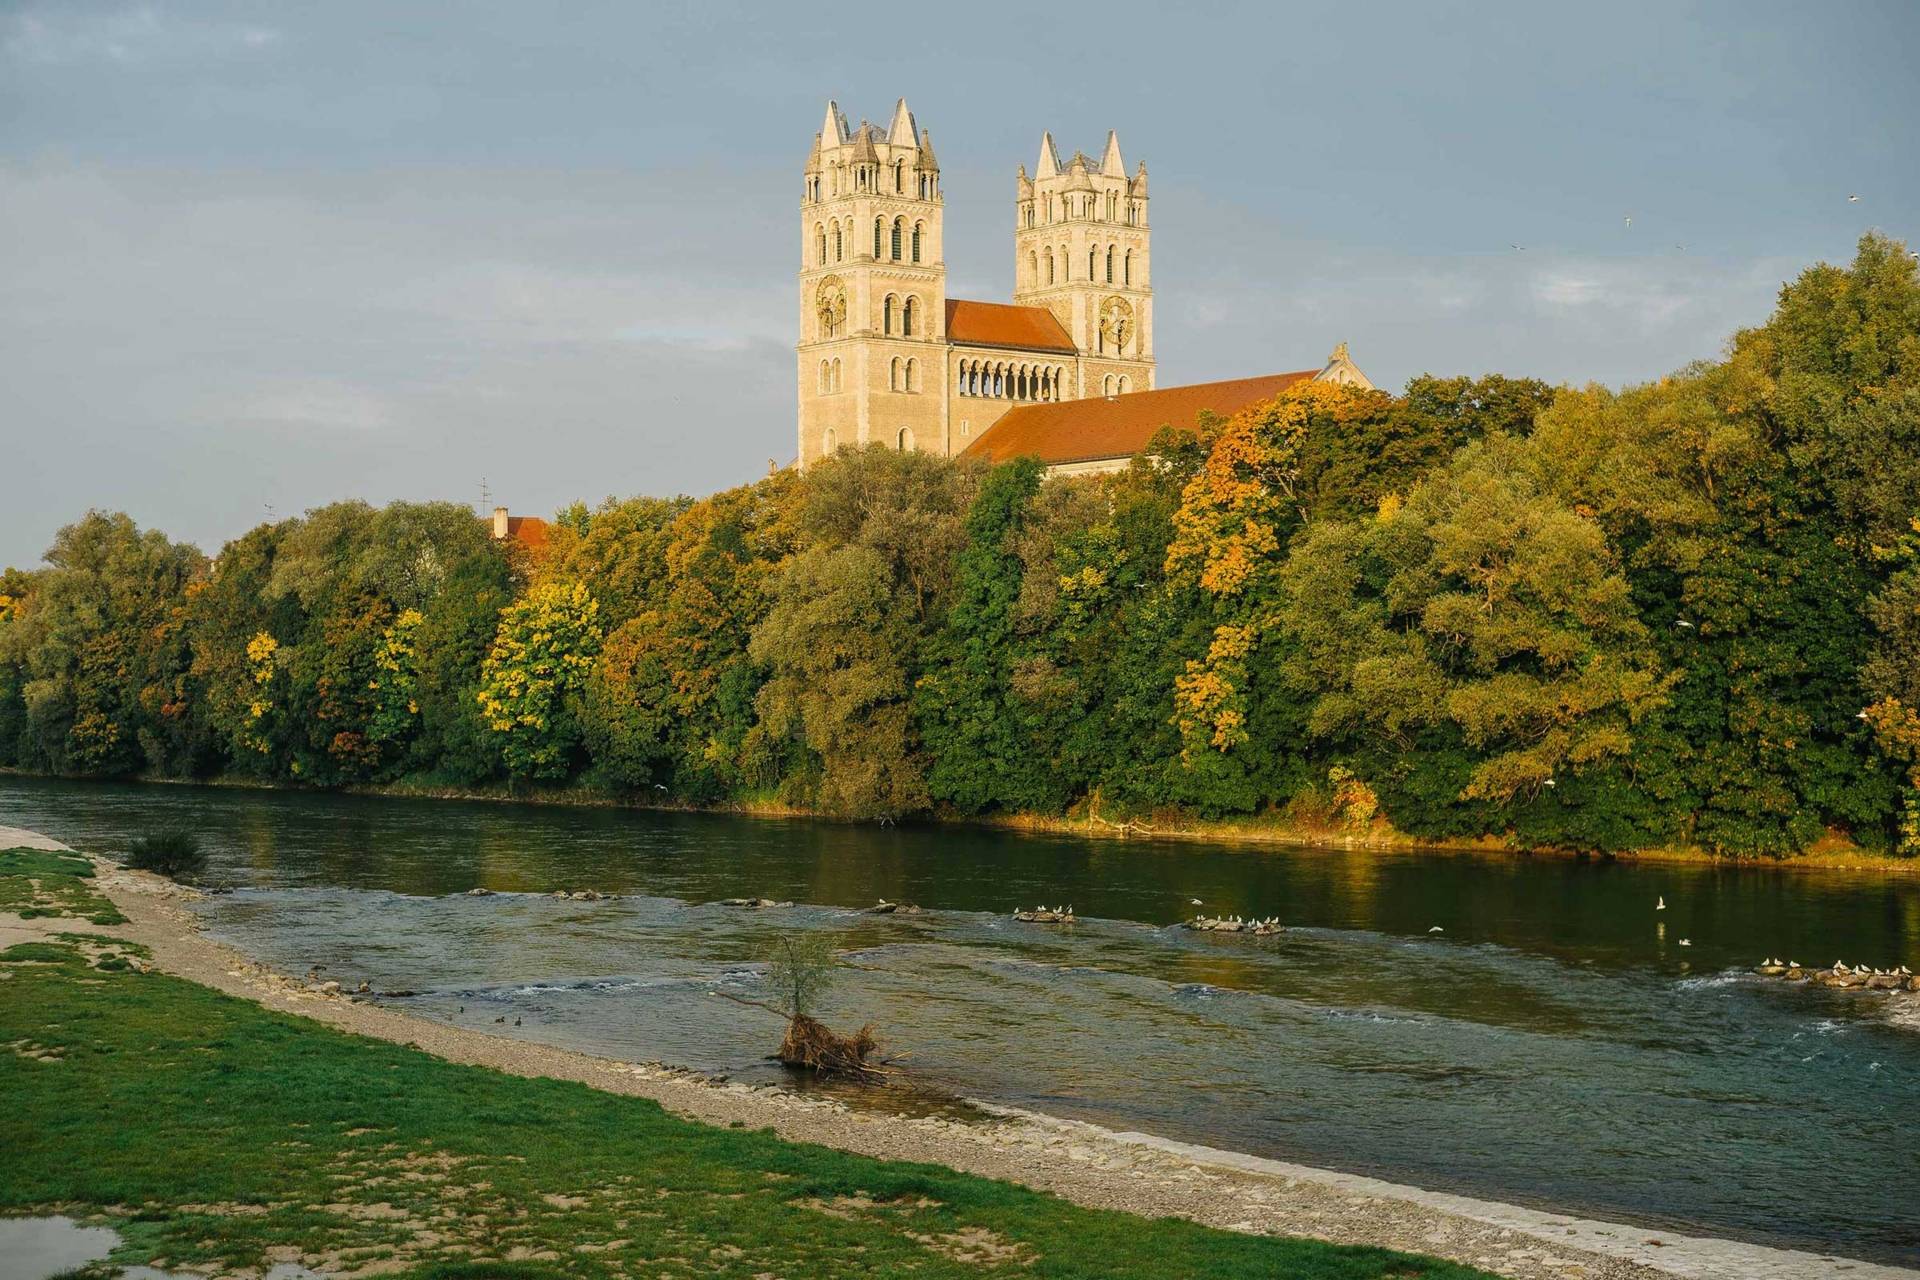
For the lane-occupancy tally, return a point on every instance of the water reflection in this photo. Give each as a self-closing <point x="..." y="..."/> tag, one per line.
<point x="1549" y="1046"/>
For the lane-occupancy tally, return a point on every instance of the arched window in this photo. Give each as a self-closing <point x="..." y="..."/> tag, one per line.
<point x="907" y="315"/>
<point x="1109" y="264"/>
<point x="879" y="230"/>
<point x="836" y="242"/>
<point x="1106" y="385"/>
<point x="1092" y="258"/>
<point x="900" y="176"/>
<point x="1126" y="384"/>
<point x="831" y="443"/>
<point x="893" y="374"/>
<point x="1126" y="268"/>
<point x="904" y="440"/>
<point x="912" y="382"/>
<point x="886" y="316"/>
<point x="823" y="377"/>
<point x="1049" y="266"/>
<point x="1033" y="266"/>
<point x="898" y="231"/>
<point x="916" y="241"/>
<point x="820" y="245"/>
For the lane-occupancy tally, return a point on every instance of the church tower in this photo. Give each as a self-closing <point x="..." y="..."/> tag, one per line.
<point x="873" y="289"/>
<point x="1081" y="251"/>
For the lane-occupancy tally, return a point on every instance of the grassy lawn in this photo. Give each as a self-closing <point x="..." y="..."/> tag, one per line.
<point x="211" y="1131"/>
<point x="37" y="882"/>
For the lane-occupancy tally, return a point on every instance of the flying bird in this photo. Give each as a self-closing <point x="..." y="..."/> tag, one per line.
<point x="1660" y="904"/>
<point x="1522" y="248"/>
<point x="1629" y="220"/>
<point x="1853" y="199"/>
<point x="1196" y="902"/>
<point x="1436" y="929"/>
<point x="1682" y="622"/>
<point x="1686" y="942"/>
<point x="1549" y="783"/>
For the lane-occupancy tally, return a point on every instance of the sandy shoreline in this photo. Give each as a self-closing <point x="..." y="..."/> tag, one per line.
<point x="1136" y="1173"/>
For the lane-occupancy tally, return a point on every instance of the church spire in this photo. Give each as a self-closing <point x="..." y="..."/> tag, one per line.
<point x="1111" y="165"/>
<point x="1049" y="162"/>
<point x="833" y="132"/>
<point x="901" y="132"/>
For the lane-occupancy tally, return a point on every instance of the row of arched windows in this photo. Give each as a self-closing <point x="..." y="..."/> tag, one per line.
<point x="1073" y="206"/>
<point x="900" y="241"/>
<point x="902" y="375"/>
<point x="926" y="185"/>
<point x="1109" y="262"/>
<point x="903" y="241"/>
<point x="1009" y="380"/>
<point x="1112" y="386"/>
<point x="902" y="440"/>
<point x="899" y="317"/>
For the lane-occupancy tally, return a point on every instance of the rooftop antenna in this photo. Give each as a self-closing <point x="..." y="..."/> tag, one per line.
<point x="486" y="495"/>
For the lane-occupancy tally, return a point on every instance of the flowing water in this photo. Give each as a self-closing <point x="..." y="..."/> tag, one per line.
<point x="1555" y="1044"/>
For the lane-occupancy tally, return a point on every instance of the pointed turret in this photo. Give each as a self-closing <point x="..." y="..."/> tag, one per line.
<point x="1111" y="165"/>
<point x="864" y="152"/>
<point x="833" y="132"/>
<point x="1139" y="184"/>
<point x="1023" y="185"/>
<point x="927" y="160"/>
<point x="813" y="156"/>
<point x="1077" y="179"/>
<point x="901" y="132"/>
<point x="1341" y="369"/>
<point x="1048" y="165"/>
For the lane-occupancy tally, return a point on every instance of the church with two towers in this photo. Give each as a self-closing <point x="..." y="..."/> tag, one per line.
<point x="1064" y="373"/>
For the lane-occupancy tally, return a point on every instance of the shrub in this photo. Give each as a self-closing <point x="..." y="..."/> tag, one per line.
<point x="173" y="854"/>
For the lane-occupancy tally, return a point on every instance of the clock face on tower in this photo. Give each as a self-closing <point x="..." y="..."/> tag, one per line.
<point x="1116" y="326"/>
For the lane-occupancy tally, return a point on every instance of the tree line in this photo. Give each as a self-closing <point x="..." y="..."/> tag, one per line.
<point x="1684" y="613"/>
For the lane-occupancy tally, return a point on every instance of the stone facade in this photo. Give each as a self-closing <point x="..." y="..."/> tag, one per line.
<point x="885" y="356"/>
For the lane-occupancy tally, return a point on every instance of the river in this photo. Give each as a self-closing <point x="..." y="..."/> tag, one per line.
<point x="1556" y="1043"/>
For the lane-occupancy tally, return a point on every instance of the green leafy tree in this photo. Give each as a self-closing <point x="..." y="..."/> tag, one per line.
<point x="102" y="654"/>
<point x="454" y="743"/>
<point x="847" y="625"/>
<point x="1482" y="608"/>
<point x="979" y="732"/>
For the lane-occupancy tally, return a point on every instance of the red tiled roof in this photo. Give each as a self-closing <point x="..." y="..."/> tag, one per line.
<point x="995" y="324"/>
<point x="529" y="531"/>
<point x="1102" y="427"/>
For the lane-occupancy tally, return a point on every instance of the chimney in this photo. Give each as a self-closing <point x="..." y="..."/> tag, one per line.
<point x="499" y="523"/>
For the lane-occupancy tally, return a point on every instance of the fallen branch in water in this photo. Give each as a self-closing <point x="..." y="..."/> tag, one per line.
<point x="800" y="969"/>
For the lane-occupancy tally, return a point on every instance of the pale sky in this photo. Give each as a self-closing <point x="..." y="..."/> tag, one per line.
<point x="266" y="256"/>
